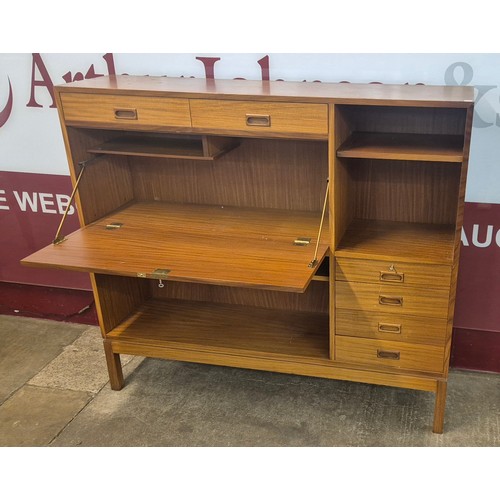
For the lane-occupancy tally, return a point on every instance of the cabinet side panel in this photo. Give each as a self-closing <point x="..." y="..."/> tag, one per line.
<point x="117" y="297"/>
<point x="458" y="234"/>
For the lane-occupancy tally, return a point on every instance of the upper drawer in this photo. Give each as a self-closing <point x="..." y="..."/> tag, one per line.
<point x="261" y="118"/>
<point x="122" y="111"/>
<point x="397" y="273"/>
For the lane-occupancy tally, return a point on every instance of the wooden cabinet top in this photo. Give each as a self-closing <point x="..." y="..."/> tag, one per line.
<point x="339" y="93"/>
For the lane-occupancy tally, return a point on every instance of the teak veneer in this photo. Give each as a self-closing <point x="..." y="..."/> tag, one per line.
<point x="302" y="228"/>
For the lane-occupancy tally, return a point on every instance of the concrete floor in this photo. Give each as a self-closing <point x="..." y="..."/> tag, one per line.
<point x="55" y="392"/>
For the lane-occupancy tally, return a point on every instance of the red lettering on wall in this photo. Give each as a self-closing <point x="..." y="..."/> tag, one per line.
<point x="5" y="113"/>
<point x="209" y="63"/>
<point x="264" y="67"/>
<point x="110" y="62"/>
<point x="44" y="82"/>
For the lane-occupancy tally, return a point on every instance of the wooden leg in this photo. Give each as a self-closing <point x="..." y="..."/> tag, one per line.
<point x="439" y="407"/>
<point x="114" y="367"/>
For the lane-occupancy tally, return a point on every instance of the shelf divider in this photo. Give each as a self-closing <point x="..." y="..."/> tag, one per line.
<point x="157" y="146"/>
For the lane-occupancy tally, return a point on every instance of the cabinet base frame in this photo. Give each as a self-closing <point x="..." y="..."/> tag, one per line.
<point x="321" y="369"/>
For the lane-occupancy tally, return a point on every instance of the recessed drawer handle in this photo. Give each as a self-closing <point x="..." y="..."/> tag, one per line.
<point x="388" y="354"/>
<point x="393" y="277"/>
<point x="387" y="300"/>
<point x="258" y="120"/>
<point x="389" y="328"/>
<point x="126" y="113"/>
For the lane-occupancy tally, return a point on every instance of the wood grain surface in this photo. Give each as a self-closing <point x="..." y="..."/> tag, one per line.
<point x="199" y="243"/>
<point x="394" y="327"/>
<point x="382" y="299"/>
<point x="371" y="352"/>
<point x="395" y="272"/>
<point x="406" y="95"/>
<point x="227" y="328"/>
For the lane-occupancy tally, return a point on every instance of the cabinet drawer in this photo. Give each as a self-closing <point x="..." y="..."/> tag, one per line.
<point x="392" y="299"/>
<point x="396" y="273"/>
<point x="126" y="111"/>
<point x="261" y="118"/>
<point x="389" y="354"/>
<point x="398" y="327"/>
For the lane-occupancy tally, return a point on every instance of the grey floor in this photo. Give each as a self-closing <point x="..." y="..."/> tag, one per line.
<point x="54" y="391"/>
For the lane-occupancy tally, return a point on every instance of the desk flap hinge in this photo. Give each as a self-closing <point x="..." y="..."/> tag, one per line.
<point x="301" y="241"/>
<point x="159" y="274"/>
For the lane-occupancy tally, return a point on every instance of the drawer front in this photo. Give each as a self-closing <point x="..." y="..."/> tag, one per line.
<point x="383" y="353"/>
<point x="126" y="111"/>
<point x="261" y="118"/>
<point x="396" y="273"/>
<point x="391" y="299"/>
<point x="400" y="327"/>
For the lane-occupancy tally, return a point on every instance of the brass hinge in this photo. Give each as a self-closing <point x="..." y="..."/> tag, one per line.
<point x="302" y="242"/>
<point x="114" y="225"/>
<point x="157" y="274"/>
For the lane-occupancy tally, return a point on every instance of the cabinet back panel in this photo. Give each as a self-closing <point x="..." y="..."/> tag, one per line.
<point x="406" y="191"/>
<point x="401" y="119"/>
<point x="259" y="173"/>
<point x="314" y="299"/>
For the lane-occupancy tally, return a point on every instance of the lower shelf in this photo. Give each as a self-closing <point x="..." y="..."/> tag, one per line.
<point x="225" y="328"/>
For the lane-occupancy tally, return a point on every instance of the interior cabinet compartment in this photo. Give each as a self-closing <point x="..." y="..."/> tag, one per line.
<point x="201" y="224"/>
<point x="401" y="133"/>
<point x="402" y="210"/>
<point x="216" y="319"/>
<point x="179" y="146"/>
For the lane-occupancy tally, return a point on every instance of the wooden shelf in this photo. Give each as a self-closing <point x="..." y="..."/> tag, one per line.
<point x="403" y="241"/>
<point x="196" y="243"/>
<point x="422" y="147"/>
<point x="226" y="328"/>
<point x="155" y="146"/>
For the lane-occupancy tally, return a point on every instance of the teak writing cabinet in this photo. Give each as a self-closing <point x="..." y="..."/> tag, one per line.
<point x="302" y="228"/>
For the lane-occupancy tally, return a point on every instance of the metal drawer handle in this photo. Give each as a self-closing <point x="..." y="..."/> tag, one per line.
<point x="392" y="277"/>
<point x="126" y="113"/>
<point x="388" y="300"/>
<point x="258" y="120"/>
<point x="388" y="354"/>
<point x="389" y="328"/>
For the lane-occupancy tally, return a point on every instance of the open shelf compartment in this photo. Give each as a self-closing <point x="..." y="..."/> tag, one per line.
<point x="226" y="328"/>
<point x="402" y="241"/>
<point x="166" y="146"/>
